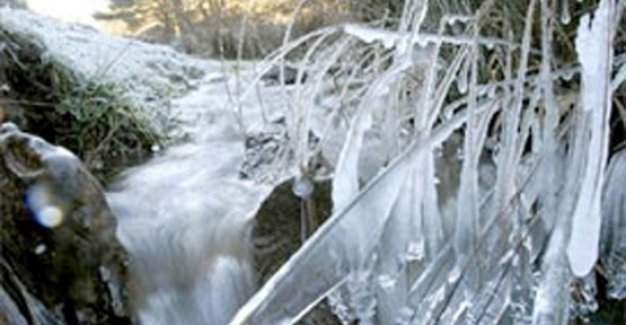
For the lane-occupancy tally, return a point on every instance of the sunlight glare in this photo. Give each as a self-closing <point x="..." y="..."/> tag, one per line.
<point x="79" y="11"/>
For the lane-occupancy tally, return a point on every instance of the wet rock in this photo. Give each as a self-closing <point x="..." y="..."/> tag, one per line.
<point x="57" y="236"/>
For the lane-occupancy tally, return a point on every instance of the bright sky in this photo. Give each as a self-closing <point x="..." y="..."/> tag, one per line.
<point x="80" y="11"/>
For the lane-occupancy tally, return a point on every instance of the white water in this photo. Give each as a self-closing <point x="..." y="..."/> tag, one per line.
<point x="185" y="218"/>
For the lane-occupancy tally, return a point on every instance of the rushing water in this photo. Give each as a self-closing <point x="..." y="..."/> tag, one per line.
<point x="185" y="218"/>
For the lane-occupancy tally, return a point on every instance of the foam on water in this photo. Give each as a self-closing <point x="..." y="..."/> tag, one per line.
<point x="186" y="219"/>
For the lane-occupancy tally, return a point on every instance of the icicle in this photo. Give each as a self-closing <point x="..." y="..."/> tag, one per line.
<point x="552" y="298"/>
<point x="346" y="186"/>
<point x="435" y="276"/>
<point x="346" y="180"/>
<point x="433" y="228"/>
<point x="552" y="301"/>
<point x="564" y="16"/>
<point x="522" y="288"/>
<point x="468" y="226"/>
<point x="403" y="225"/>
<point x="491" y="303"/>
<point x="593" y="45"/>
<point x="338" y="253"/>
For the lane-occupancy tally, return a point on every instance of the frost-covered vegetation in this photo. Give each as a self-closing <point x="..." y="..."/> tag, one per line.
<point x="468" y="143"/>
<point x="92" y="117"/>
<point x="474" y="148"/>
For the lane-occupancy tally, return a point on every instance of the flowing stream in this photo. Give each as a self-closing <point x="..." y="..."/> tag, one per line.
<point x="186" y="217"/>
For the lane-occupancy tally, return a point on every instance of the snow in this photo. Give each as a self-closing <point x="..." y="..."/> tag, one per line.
<point x="150" y="74"/>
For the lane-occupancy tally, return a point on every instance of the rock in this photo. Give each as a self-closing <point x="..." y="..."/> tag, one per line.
<point x="57" y="235"/>
<point x="277" y="236"/>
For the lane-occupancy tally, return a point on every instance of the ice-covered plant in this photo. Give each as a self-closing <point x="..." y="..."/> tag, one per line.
<point x="468" y="148"/>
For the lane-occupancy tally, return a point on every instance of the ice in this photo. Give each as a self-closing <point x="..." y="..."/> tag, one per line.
<point x="458" y="19"/>
<point x="552" y="300"/>
<point x="619" y="78"/>
<point x="564" y="15"/>
<point x="10" y="312"/>
<point x="343" y="245"/>
<point x="342" y="251"/>
<point x="468" y="224"/>
<point x="391" y="39"/>
<point x="489" y="224"/>
<point x="346" y="180"/>
<point x="595" y="55"/>
<point x="404" y="225"/>
<point x="416" y="251"/>
<point x="302" y="187"/>
<point x="462" y="80"/>
<point x="370" y="35"/>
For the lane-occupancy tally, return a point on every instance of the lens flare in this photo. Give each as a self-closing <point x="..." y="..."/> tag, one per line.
<point x="40" y="202"/>
<point x="50" y="216"/>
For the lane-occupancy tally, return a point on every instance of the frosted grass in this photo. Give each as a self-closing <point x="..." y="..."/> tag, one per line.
<point x="481" y="200"/>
